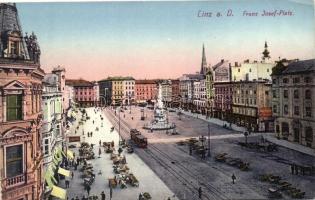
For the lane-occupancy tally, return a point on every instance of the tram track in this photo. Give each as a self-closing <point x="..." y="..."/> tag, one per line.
<point x="214" y="192"/>
<point x="179" y="177"/>
<point x="183" y="174"/>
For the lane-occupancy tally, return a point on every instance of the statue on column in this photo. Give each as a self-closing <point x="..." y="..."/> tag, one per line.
<point x="33" y="47"/>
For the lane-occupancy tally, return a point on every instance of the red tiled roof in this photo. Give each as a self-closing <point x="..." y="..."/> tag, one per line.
<point x="145" y="82"/>
<point x="78" y="82"/>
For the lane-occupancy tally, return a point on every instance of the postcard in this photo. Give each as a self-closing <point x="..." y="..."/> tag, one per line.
<point x="161" y="100"/>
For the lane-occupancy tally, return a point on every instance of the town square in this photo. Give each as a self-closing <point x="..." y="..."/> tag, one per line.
<point x="157" y="100"/>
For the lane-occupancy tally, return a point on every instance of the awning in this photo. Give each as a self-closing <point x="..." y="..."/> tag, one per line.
<point x="64" y="172"/>
<point x="70" y="154"/>
<point x="58" y="154"/>
<point x="50" y="179"/>
<point x="56" y="162"/>
<point x="59" y="192"/>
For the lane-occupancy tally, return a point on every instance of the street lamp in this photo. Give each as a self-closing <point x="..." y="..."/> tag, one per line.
<point x="119" y="122"/>
<point x="105" y="93"/>
<point x="209" y="153"/>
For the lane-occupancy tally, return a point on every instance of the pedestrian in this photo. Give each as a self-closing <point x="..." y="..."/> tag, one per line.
<point x="199" y="192"/>
<point x="100" y="142"/>
<point x="233" y="178"/>
<point x="88" y="188"/>
<point x="75" y="166"/>
<point x="190" y="150"/>
<point x="120" y="151"/>
<point x="99" y="152"/>
<point x="93" y="121"/>
<point x="103" y="196"/>
<point x="67" y="183"/>
<point x="110" y="193"/>
<point x="77" y="198"/>
<point x="72" y="174"/>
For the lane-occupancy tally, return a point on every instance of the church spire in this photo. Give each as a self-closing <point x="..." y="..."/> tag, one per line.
<point x="266" y="52"/>
<point x="204" y="61"/>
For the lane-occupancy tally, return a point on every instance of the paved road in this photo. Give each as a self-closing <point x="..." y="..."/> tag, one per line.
<point x="184" y="173"/>
<point x="149" y="181"/>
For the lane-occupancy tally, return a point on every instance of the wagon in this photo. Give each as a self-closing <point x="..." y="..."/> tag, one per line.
<point x="274" y="193"/>
<point x="133" y="180"/>
<point x="112" y="182"/>
<point x="221" y="157"/>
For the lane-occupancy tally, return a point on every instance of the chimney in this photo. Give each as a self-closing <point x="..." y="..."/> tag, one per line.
<point x="236" y="64"/>
<point x="222" y="60"/>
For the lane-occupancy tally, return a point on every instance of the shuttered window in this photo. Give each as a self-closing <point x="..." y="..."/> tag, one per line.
<point x="14" y="107"/>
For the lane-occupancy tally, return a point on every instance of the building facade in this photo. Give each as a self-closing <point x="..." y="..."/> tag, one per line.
<point x="61" y="73"/>
<point x="21" y="160"/>
<point x="200" y="96"/>
<point x="255" y="70"/>
<point x="69" y="96"/>
<point x="166" y="87"/>
<point x="252" y="105"/>
<point x="84" y="93"/>
<point x="128" y="90"/>
<point x="293" y="94"/>
<point x="145" y="90"/>
<point x="105" y="92"/>
<point x="222" y="97"/>
<point x="186" y="88"/>
<point x="175" y="93"/>
<point x="52" y="132"/>
<point x="209" y="92"/>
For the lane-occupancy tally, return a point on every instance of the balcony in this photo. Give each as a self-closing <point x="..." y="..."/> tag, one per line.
<point x="15" y="181"/>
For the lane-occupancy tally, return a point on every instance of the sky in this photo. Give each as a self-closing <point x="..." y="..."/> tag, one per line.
<point x="94" y="40"/>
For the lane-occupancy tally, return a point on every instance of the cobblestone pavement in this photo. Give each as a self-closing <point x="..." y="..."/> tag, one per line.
<point x="149" y="181"/>
<point x="184" y="174"/>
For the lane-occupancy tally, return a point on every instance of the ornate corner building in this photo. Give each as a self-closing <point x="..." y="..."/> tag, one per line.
<point x="20" y="110"/>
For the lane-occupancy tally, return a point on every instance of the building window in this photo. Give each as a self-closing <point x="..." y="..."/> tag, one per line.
<point x="274" y="81"/>
<point x="14" y="107"/>
<point x="308" y="111"/>
<point x="307" y="79"/>
<point x="296" y="110"/>
<point x="46" y="147"/>
<point x="285" y="80"/>
<point x="285" y="93"/>
<point x="250" y="70"/>
<point x="296" y="94"/>
<point x="296" y="80"/>
<point x="14" y="48"/>
<point x="14" y="160"/>
<point x="285" y="109"/>
<point x="308" y="94"/>
<point x="274" y="109"/>
<point x="309" y="134"/>
<point x="268" y="70"/>
<point x="239" y="70"/>
<point x="274" y="93"/>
